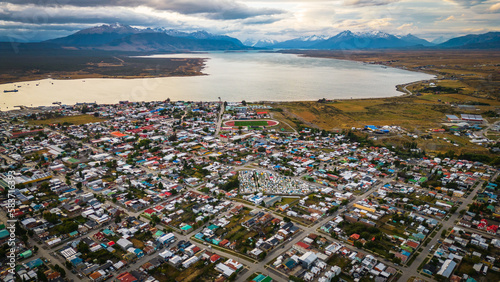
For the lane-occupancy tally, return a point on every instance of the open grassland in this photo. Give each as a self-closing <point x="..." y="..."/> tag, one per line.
<point x="76" y="120"/>
<point x="421" y="113"/>
<point x="285" y="123"/>
<point x="414" y="113"/>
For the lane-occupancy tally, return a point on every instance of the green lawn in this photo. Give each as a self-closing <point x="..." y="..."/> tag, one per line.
<point x="251" y="123"/>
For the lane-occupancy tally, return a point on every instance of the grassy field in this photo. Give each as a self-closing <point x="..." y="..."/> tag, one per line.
<point x="285" y="123"/>
<point x="403" y="111"/>
<point x="414" y="113"/>
<point x="76" y="120"/>
<point x="251" y="123"/>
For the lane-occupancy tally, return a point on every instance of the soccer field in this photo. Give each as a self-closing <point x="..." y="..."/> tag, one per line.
<point x="251" y="123"/>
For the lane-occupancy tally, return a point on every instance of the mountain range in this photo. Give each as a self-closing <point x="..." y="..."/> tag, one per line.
<point x="117" y="37"/>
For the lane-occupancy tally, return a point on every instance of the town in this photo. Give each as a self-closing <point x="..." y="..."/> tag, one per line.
<point x="217" y="191"/>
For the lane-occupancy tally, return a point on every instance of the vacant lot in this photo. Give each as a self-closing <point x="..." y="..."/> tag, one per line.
<point x="76" y="120"/>
<point x="413" y="112"/>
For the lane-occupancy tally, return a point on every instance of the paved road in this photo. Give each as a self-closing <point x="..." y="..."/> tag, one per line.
<point x="412" y="272"/>
<point x="42" y="253"/>
<point x="219" y="120"/>
<point x="306" y="231"/>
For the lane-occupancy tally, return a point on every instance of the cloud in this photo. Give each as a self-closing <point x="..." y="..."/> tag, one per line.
<point x="495" y="7"/>
<point x="474" y="30"/>
<point x="260" y="20"/>
<point x="213" y="9"/>
<point x="36" y="16"/>
<point x="368" y="2"/>
<point x="364" y="24"/>
<point x="405" y="26"/>
<point x="450" y="18"/>
<point x="467" y="3"/>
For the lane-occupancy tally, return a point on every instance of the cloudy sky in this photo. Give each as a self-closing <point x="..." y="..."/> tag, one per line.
<point x="35" y="20"/>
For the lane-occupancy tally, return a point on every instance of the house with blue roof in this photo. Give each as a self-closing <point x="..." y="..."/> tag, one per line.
<point x="139" y="253"/>
<point x="34" y="263"/>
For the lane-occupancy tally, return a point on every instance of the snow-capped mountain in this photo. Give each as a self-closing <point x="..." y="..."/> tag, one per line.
<point x="439" y="40"/>
<point x="261" y="43"/>
<point x="200" y="34"/>
<point x="348" y="40"/>
<point x="97" y="35"/>
<point x="124" y="37"/>
<point x="301" y="42"/>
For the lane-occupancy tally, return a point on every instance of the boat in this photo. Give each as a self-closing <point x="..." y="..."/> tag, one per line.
<point x="7" y="91"/>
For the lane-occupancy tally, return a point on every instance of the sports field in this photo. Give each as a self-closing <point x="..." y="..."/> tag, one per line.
<point x="251" y="123"/>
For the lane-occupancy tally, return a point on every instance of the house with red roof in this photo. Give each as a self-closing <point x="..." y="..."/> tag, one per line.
<point x="412" y="244"/>
<point x="214" y="258"/>
<point x="483" y="225"/>
<point x="223" y="243"/>
<point x="492" y="229"/>
<point x="150" y="211"/>
<point x="126" y="277"/>
<point x="301" y="247"/>
<point x="354" y="237"/>
<point x="159" y="208"/>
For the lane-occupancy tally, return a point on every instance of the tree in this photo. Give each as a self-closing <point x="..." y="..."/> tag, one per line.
<point x="443" y="233"/>
<point x="59" y="269"/>
<point x="262" y="255"/>
<point x="82" y="247"/>
<point x="295" y="279"/>
<point x="244" y="103"/>
<point x="155" y="219"/>
<point x="41" y="276"/>
<point x="51" y="217"/>
<point x="172" y="138"/>
<point x="286" y="219"/>
<point x="453" y="209"/>
<point x="358" y="244"/>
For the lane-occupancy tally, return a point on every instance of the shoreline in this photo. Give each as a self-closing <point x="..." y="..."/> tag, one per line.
<point x="96" y="76"/>
<point x="120" y="68"/>
<point x="399" y="87"/>
<point x="359" y="57"/>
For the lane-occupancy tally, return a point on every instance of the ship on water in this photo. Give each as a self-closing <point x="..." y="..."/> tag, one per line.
<point x="7" y="91"/>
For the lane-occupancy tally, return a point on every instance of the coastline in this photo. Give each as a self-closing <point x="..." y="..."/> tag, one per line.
<point x="129" y="69"/>
<point x="355" y="56"/>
